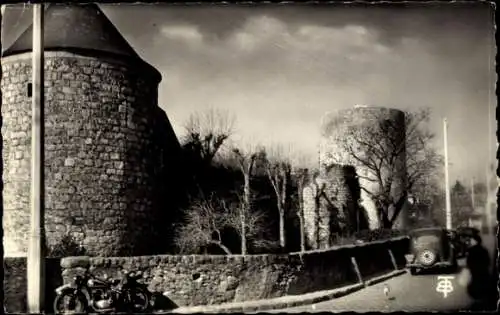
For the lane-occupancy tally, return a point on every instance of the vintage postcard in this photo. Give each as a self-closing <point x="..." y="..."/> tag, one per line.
<point x="187" y="158"/>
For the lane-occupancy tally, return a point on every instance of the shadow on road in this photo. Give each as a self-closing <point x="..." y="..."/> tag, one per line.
<point x="438" y="271"/>
<point x="162" y="303"/>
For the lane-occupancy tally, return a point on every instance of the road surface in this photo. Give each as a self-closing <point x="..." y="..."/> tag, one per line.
<point x="407" y="293"/>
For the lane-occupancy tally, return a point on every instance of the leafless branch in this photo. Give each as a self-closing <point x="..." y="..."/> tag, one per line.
<point x="206" y="132"/>
<point x="377" y="148"/>
<point x="206" y="220"/>
<point x="278" y="168"/>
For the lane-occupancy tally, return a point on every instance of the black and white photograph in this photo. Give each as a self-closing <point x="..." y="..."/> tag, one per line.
<point x="249" y="157"/>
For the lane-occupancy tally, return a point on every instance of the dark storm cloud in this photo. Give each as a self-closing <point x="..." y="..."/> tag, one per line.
<point x="281" y="67"/>
<point x="391" y="22"/>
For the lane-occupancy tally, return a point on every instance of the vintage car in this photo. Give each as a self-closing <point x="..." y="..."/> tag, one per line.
<point x="431" y="248"/>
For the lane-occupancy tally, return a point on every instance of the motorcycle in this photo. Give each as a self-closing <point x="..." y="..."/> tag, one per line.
<point x="89" y="294"/>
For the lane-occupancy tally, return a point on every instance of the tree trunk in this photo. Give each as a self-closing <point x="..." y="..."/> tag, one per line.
<point x="282" y="229"/>
<point x="398" y="207"/>
<point x="246" y="204"/>
<point x="243" y="234"/>
<point x="282" y="209"/>
<point x="317" y="204"/>
<point x="302" y="234"/>
<point x="384" y="220"/>
<point x="223" y="247"/>
<point x="301" y="219"/>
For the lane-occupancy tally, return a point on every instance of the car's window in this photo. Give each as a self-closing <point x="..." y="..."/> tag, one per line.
<point x="425" y="239"/>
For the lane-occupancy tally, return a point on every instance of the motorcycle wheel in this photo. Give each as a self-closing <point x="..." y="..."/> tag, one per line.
<point x="69" y="303"/>
<point x="138" y="300"/>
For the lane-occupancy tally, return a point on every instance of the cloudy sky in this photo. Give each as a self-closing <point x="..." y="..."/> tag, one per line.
<point x="279" y="69"/>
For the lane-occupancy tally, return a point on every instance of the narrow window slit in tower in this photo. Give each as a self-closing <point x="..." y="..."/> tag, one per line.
<point x="29" y="90"/>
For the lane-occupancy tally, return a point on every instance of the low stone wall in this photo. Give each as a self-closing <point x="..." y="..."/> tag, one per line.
<point x="374" y="260"/>
<point x="15" y="284"/>
<point x="399" y="250"/>
<point x="322" y="270"/>
<point x="205" y="280"/>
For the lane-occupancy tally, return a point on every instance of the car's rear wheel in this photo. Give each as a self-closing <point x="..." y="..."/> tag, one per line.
<point x="413" y="271"/>
<point x="427" y="257"/>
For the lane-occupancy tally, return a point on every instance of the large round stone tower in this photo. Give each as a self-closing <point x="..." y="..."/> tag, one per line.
<point x="102" y="123"/>
<point x="356" y="136"/>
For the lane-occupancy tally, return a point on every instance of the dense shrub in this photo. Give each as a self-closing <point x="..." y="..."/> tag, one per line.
<point x="14" y="284"/>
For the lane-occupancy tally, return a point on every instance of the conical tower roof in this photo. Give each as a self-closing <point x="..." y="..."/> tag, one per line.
<point x="75" y="27"/>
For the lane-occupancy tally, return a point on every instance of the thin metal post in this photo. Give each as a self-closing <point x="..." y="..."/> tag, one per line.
<point x="473" y="197"/>
<point x="356" y="270"/>
<point x="36" y="257"/>
<point x="447" y="176"/>
<point x="489" y="195"/>
<point x="393" y="259"/>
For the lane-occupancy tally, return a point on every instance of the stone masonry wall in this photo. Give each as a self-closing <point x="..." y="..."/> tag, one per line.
<point x="310" y="216"/>
<point x="15" y="283"/>
<point x="330" y="206"/>
<point x="340" y="127"/>
<point x="205" y="280"/>
<point x="100" y="154"/>
<point x="202" y="280"/>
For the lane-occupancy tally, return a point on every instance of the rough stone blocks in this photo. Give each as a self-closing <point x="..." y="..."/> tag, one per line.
<point x="352" y="128"/>
<point x="330" y="203"/>
<point x="92" y="154"/>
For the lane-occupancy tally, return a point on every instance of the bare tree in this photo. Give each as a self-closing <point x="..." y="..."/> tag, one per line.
<point x="422" y="160"/>
<point x="208" y="218"/>
<point x="254" y="222"/>
<point x="246" y="161"/>
<point x="204" y="222"/>
<point x="378" y="147"/>
<point x="278" y="169"/>
<point x="301" y="175"/>
<point x="206" y="132"/>
<point x="428" y="198"/>
<point x="461" y="204"/>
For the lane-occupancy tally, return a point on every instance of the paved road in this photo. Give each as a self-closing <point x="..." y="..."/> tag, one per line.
<point x="408" y="293"/>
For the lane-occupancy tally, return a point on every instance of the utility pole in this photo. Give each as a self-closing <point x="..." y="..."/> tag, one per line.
<point x="446" y="176"/>
<point x="36" y="257"/>
<point x="472" y="194"/>
<point x="489" y="164"/>
<point x="490" y="194"/>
